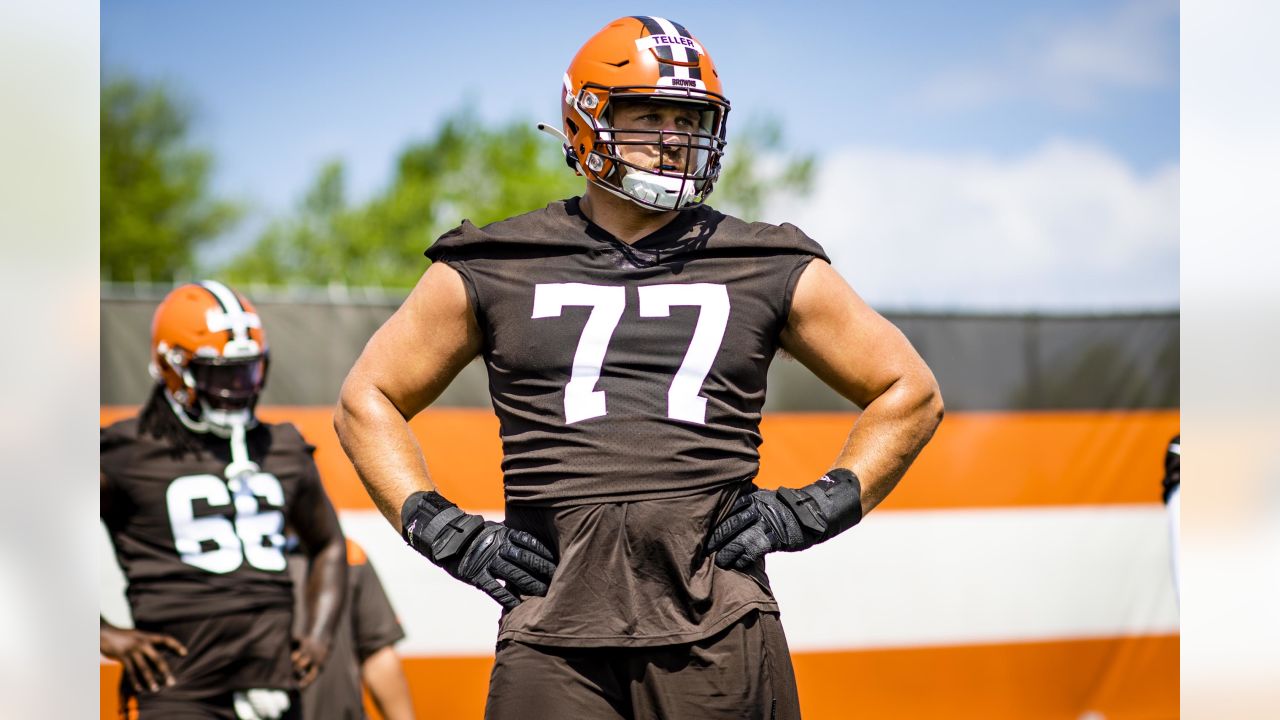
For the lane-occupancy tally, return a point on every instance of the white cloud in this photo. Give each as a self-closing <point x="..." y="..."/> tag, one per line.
<point x="1070" y="63"/>
<point x="1068" y="226"/>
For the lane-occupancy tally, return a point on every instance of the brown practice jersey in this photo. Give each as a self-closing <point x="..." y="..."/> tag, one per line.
<point x="367" y="625"/>
<point x="191" y="543"/>
<point x="628" y="382"/>
<point x="204" y="557"/>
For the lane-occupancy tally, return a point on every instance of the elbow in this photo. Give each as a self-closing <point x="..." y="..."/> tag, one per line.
<point x="342" y="413"/>
<point x="327" y="545"/>
<point x="936" y="407"/>
<point x="353" y="399"/>
<point x="335" y="551"/>
<point x="931" y="407"/>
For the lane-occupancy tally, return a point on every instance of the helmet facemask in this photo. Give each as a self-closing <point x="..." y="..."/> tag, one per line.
<point x="682" y="166"/>
<point x="219" y="393"/>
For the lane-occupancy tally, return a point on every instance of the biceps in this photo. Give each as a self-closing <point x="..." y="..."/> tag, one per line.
<point x="846" y="343"/>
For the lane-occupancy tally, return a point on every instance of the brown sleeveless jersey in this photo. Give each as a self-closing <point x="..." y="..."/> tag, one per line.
<point x="621" y="372"/>
<point x="628" y="382"/>
<point x="190" y="543"/>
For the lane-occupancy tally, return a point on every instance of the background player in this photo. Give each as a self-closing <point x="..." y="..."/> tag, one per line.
<point x="195" y="494"/>
<point x="627" y="336"/>
<point x="363" y="646"/>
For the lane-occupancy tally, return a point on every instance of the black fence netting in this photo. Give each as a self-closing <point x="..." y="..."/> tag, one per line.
<point x="982" y="361"/>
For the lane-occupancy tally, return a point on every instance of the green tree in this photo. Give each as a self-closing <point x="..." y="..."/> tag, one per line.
<point x="156" y="207"/>
<point x="467" y="170"/>
<point x="759" y="170"/>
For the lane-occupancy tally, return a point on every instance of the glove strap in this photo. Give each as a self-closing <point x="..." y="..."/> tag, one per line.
<point x="806" y="507"/>
<point x="827" y="507"/>
<point x="436" y="527"/>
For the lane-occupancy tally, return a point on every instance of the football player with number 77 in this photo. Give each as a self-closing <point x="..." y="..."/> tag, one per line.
<point x="627" y="335"/>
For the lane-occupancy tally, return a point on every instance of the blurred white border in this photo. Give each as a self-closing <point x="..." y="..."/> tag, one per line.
<point x="1231" y="305"/>
<point x="49" y="276"/>
<point x="1230" y="341"/>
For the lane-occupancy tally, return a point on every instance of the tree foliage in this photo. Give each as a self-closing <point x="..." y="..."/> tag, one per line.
<point x="759" y="170"/>
<point x="467" y="170"/>
<point x="156" y="208"/>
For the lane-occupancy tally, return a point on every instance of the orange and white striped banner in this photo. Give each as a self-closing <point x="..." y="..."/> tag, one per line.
<point x="1020" y="570"/>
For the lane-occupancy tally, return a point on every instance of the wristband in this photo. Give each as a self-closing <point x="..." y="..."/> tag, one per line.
<point x="827" y="507"/>
<point x="435" y="527"/>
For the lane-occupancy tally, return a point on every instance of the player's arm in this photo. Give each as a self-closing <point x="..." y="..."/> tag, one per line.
<point x="407" y="363"/>
<point x="377" y="631"/>
<point x="405" y="366"/>
<point x="140" y="653"/>
<point x="835" y="334"/>
<point x="316" y="523"/>
<point x="383" y="674"/>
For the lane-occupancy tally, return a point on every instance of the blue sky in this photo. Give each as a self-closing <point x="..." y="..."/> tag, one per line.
<point x="1016" y="121"/>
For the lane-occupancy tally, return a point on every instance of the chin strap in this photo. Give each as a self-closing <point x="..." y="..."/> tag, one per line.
<point x="192" y="424"/>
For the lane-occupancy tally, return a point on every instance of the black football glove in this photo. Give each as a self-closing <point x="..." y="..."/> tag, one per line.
<point x="477" y="551"/>
<point x="765" y="521"/>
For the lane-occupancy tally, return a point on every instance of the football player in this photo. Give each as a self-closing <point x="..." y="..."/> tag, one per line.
<point x="363" y="654"/>
<point x="627" y="335"/>
<point x="195" y="493"/>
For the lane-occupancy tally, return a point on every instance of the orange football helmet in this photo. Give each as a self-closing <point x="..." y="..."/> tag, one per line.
<point x="650" y="58"/>
<point x="209" y="349"/>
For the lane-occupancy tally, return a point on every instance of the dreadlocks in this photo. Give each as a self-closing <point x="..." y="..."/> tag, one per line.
<point x="158" y="420"/>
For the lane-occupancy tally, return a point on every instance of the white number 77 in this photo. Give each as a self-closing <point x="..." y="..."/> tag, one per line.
<point x="581" y="400"/>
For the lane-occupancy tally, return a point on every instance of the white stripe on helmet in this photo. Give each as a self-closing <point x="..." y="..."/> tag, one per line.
<point x="679" y="52"/>
<point x="234" y="318"/>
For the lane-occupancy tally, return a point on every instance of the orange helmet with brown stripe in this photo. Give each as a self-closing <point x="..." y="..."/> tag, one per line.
<point x="651" y="58"/>
<point x="210" y="351"/>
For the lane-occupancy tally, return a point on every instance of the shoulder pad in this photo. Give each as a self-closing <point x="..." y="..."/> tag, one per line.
<point x="544" y="228"/>
<point x="286" y="436"/>
<point x="785" y="238"/>
<point x="118" y="434"/>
